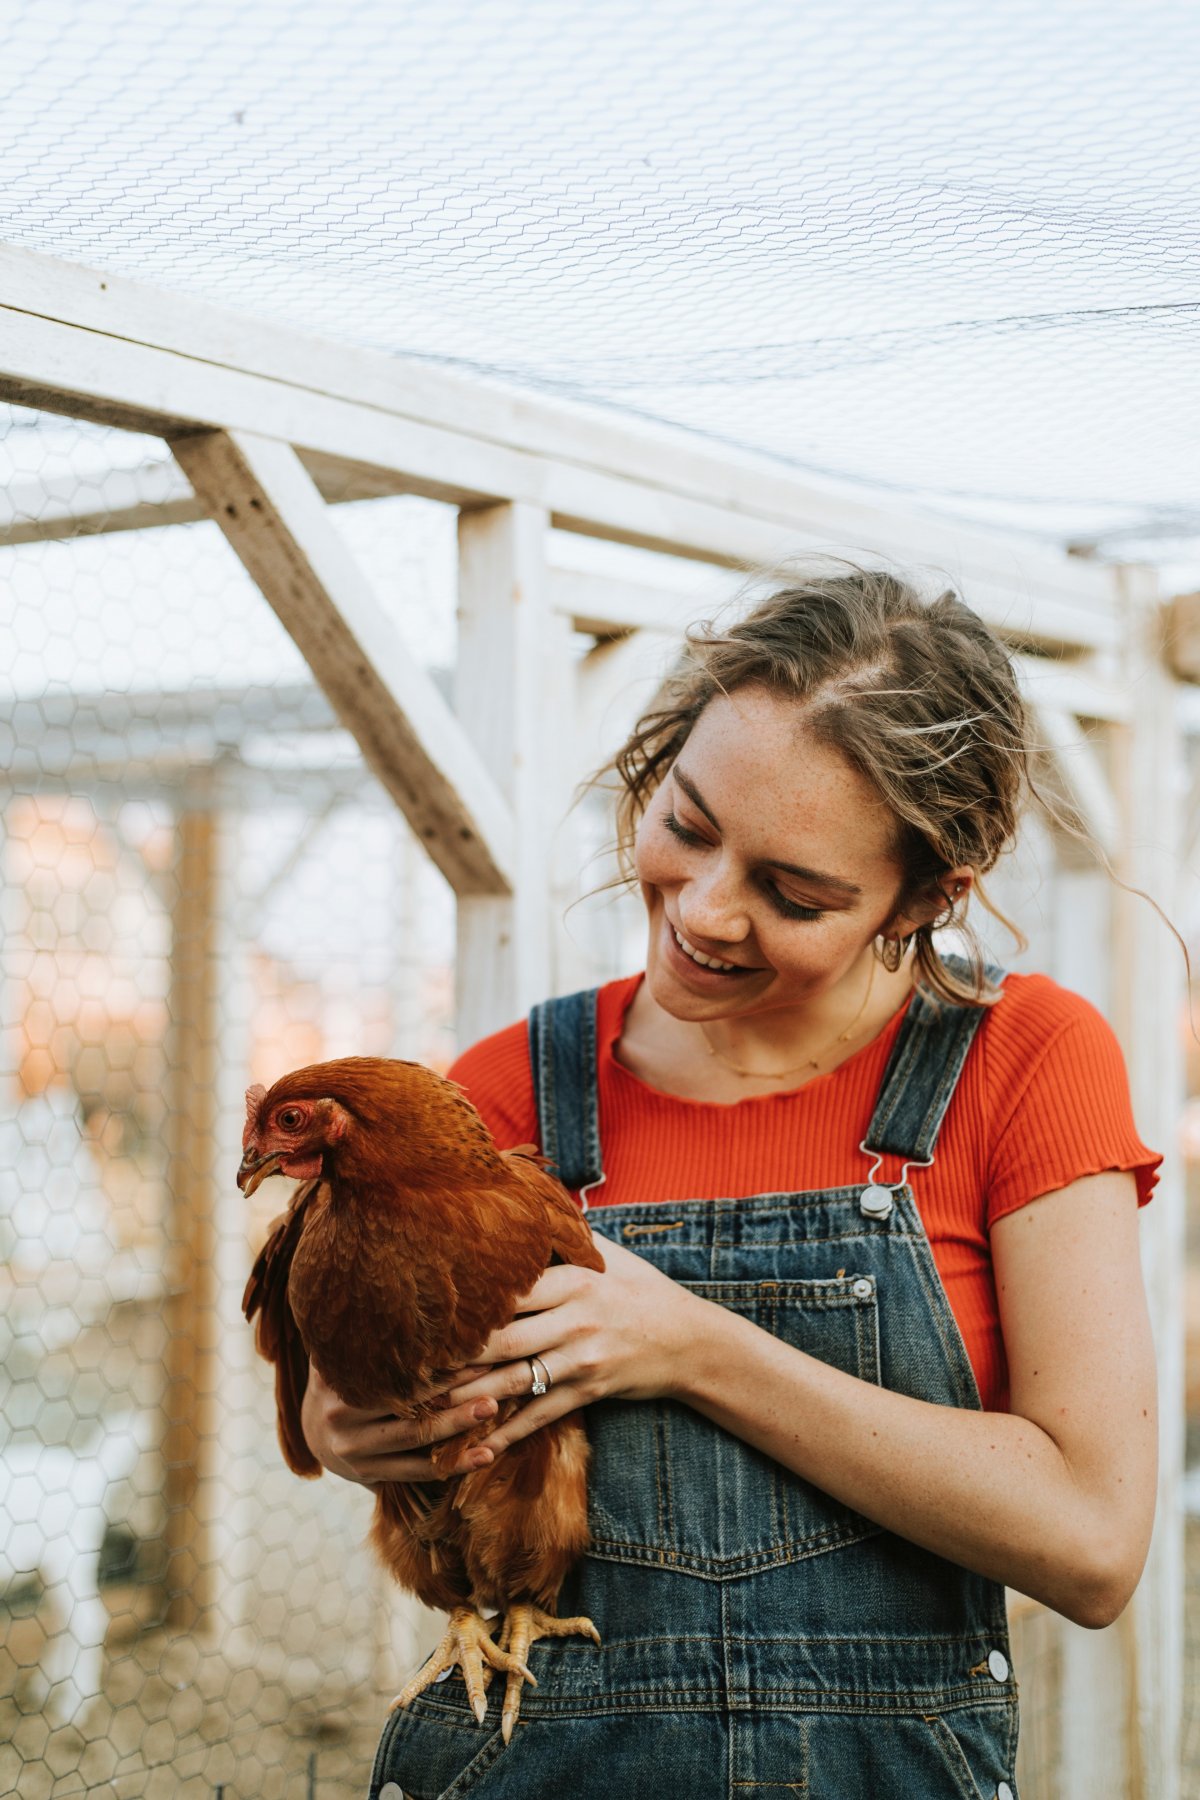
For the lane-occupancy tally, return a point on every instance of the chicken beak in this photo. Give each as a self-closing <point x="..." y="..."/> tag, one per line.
<point x="254" y="1171"/>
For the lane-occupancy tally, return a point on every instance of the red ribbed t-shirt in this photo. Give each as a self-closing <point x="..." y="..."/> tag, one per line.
<point x="1043" y="1099"/>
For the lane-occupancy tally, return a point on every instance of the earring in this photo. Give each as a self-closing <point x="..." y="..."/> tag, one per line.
<point x="891" y="951"/>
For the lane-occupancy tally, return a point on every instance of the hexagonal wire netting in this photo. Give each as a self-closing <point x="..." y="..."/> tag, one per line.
<point x="941" y="253"/>
<point x="921" y="254"/>
<point x="201" y="886"/>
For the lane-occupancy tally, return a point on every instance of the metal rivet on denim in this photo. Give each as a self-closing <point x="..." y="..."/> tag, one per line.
<point x="758" y="1636"/>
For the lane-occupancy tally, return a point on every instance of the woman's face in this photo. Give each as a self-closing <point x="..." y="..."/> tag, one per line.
<point x="764" y="850"/>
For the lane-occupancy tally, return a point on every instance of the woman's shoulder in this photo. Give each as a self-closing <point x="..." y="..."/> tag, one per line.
<point x="1034" y="1010"/>
<point x="1042" y="1036"/>
<point x="1055" y="1094"/>
<point x="496" y="1076"/>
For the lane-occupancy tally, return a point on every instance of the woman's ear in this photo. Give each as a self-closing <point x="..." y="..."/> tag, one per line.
<point x="934" y="906"/>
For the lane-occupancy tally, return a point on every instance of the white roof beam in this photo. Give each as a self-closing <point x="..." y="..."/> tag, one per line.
<point x="76" y="341"/>
<point x="267" y="506"/>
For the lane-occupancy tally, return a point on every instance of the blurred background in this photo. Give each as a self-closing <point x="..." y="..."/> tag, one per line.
<point x="933" y="266"/>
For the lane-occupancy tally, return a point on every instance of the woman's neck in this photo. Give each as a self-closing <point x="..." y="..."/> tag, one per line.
<point x="775" y="1051"/>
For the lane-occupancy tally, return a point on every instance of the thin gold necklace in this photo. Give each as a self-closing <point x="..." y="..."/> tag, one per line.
<point x="810" y="1062"/>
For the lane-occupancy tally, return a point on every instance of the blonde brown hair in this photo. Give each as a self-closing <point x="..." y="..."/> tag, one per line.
<point x="918" y="696"/>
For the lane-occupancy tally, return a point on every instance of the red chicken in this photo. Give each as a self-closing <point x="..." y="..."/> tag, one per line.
<point x="409" y="1240"/>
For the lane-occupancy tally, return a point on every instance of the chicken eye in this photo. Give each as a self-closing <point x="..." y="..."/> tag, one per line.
<point x="291" y="1118"/>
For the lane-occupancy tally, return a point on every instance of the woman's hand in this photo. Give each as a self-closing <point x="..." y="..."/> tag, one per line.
<point x="625" y="1334"/>
<point x="374" y="1446"/>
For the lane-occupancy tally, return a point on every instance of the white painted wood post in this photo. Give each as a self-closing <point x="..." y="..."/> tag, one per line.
<point x="1150" y="994"/>
<point x="504" y="703"/>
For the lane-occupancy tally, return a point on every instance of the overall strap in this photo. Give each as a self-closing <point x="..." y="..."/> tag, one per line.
<point x="562" y="1055"/>
<point x="923" y="1070"/>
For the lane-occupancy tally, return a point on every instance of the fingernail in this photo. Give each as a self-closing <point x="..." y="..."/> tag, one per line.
<point x="484" y="1409"/>
<point x="481" y="1459"/>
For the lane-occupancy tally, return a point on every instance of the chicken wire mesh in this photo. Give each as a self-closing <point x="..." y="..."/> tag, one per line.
<point x="938" y="252"/>
<point x="201" y="886"/>
<point x="924" y="255"/>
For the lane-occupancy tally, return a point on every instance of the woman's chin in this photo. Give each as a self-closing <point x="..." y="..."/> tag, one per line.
<point x="690" y="1000"/>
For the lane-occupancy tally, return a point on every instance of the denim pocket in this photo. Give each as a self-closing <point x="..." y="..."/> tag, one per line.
<point x="672" y="1489"/>
<point x="431" y="1751"/>
<point x="978" y="1746"/>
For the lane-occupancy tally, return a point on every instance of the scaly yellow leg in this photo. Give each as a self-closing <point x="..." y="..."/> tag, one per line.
<point x="468" y="1642"/>
<point x="524" y="1625"/>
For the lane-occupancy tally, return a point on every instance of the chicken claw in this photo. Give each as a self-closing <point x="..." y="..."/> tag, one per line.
<point x="523" y="1626"/>
<point x="468" y="1642"/>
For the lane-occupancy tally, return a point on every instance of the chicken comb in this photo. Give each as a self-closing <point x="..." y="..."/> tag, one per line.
<point x="254" y="1101"/>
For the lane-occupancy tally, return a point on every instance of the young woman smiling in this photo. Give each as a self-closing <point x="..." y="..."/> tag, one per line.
<point x="871" y="1342"/>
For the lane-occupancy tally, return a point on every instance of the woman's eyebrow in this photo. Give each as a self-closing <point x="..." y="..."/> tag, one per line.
<point x="829" y="881"/>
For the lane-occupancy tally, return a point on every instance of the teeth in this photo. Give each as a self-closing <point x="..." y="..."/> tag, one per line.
<point x="707" y="962"/>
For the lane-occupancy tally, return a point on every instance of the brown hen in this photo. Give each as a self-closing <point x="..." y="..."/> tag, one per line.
<point x="410" y="1240"/>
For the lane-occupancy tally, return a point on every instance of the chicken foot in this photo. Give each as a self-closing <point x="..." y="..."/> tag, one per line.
<point x="523" y="1625"/>
<point x="468" y="1642"/>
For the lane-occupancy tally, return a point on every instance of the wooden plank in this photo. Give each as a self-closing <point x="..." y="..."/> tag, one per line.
<point x="192" y="1353"/>
<point x="139" y="314"/>
<point x="1082" y="785"/>
<point x="269" y="509"/>
<point x="1181" y="636"/>
<point x="1080" y="688"/>
<point x="502" y="683"/>
<point x="78" y="341"/>
<point x="1150" y="991"/>
<point x="609" y="607"/>
<point x="34" y="511"/>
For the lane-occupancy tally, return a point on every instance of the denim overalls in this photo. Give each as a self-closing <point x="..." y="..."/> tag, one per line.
<point x="759" y="1638"/>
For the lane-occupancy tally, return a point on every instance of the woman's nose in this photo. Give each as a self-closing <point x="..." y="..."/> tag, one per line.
<point x="711" y="909"/>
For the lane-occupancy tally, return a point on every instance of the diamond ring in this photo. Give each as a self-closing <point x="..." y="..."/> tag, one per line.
<point x="541" y="1381"/>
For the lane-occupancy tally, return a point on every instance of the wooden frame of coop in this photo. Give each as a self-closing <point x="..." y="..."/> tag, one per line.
<point x="269" y="428"/>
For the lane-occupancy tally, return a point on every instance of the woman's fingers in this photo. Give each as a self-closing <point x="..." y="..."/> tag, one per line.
<point x="366" y="1447"/>
<point x="527" y="1419"/>
<point x="544" y="1334"/>
<point x="508" y="1381"/>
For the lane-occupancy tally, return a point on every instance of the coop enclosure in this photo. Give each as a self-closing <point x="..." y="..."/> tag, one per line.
<point x="305" y="656"/>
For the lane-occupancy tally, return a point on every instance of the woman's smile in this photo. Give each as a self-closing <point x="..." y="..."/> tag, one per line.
<point x="706" y="976"/>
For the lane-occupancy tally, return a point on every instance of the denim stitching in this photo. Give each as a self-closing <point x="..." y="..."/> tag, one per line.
<point x="725" y="1228"/>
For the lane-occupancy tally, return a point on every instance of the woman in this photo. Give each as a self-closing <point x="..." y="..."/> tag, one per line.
<point x="871" y="1342"/>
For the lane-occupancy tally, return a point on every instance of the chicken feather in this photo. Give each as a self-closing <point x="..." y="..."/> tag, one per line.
<point x="409" y="1241"/>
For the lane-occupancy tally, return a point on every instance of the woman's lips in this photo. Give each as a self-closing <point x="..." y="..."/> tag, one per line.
<point x="689" y="970"/>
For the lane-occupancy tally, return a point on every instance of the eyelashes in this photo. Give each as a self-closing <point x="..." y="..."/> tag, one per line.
<point x="681" y="831"/>
<point x="789" y="909"/>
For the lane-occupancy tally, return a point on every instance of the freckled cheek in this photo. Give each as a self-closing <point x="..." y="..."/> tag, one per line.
<point x="805" y="951"/>
<point x="656" y="861"/>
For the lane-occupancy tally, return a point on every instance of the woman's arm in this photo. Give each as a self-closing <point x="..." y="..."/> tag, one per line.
<point x="1055" y="1498"/>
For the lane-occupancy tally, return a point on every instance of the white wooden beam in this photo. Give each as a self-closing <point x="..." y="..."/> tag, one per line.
<point x="1079" y="776"/>
<point x="1076" y="687"/>
<point x="77" y="341"/>
<point x="502" y="682"/>
<point x="1151" y="990"/>
<point x="609" y="607"/>
<point x="273" y="516"/>
<point x="617" y="682"/>
<point x="37" y="510"/>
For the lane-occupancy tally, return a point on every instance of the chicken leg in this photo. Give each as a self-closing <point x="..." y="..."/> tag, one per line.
<point x="523" y="1625"/>
<point x="467" y="1642"/>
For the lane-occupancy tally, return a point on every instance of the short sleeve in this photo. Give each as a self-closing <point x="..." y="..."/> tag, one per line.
<point x="1067" y="1115"/>
<point x="497" y="1080"/>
